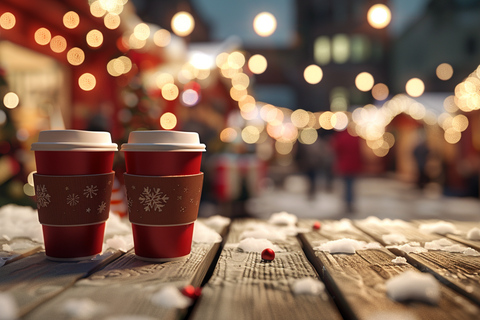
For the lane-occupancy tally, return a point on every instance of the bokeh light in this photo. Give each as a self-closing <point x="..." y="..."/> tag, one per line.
<point x="228" y="135"/>
<point x="444" y="71"/>
<point x="240" y="81"/>
<point x="141" y="31"/>
<point x="300" y="118"/>
<point x="42" y="36"/>
<point x="75" y="56"/>
<point x="379" y="16"/>
<point x="111" y="21"/>
<point x="11" y="100"/>
<point x="87" y="81"/>
<point x="308" y="136"/>
<point x="163" y="79"/>
<point x="380" y="91"/>
<point x="257" y="64"/>
<point x="313" y="74"/>
<point x="71" y="20"/>
<point x="264" y="24"/>
<point x="96" y="9"/>
<point x="94" y="38"/>
<point x="7" y="20"/>
<point x="236" y="60"/>
<point x="250" y="134"/>
<point x="168" y="121"/>
<point x="58" y="44"/>
<point x="170" y="91"/>
<point x="364" y="81"/>
<point x="190" y="97"/>
<point x="182" y="24"/>
<point x="415" y="87"/>
<point x="162" y="37"/>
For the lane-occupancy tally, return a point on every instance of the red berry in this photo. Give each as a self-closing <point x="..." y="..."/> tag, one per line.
<point x="191" y="292"/>
<point x="317" y="225"/>
<point x="268" y="254"/>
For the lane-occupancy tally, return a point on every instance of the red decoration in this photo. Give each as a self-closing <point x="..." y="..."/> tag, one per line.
<point x="268" y="254"/>
<point x="317" y="225"/>
<point x="192" y="292"/>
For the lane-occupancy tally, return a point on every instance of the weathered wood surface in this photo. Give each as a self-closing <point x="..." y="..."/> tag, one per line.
<point x="357" y="281"/>
<point x="16" y="249"/>
<point x="126" y="286"/>
<point x="463" y="228"/>
<point x="35" y="279"/>
<point x="457" y="270"/>
<point x="244" y="287"/>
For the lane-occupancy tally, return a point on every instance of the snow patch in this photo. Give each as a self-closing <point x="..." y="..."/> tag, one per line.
<point x="471" y="252"/>
<point x="412" y="285"/>
<point x="170" y="297"/>
<point x="346" y="245"/>
<point x="440" y="227"/>
<point x="394" y="238"/>
<point x="82" y="308"/>
<point x="309" y="286"/>
<point x="20" y="222"/>
<point x="8" y="307"/>
<point x="118" y="242"/>
<point x="412" y="247"/>
<point x="473" y="234"/>
<point x="256" y="245"/>
<point x="260" y="231"/>
<point x="217" y="222"/>
<point x="399" y="260"/>
<point x="283" y="218"/>
<point x="205" y="234"/>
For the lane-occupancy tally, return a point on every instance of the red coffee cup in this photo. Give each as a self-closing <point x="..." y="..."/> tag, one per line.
<point x="163" y="183"/>
<point x="73" y="185"/>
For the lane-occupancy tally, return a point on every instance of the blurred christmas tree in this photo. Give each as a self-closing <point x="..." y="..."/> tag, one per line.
<point x="12" y="175"/>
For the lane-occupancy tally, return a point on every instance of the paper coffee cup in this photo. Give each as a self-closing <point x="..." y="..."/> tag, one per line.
<point x="73" y="186"/>
<point x="158" y="163"/>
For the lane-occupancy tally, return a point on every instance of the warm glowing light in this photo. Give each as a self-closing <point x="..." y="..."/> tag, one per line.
<point x="257" y="64"/>
<point x="415" y="87"/>
<point x="96" y="9"/>
<point x="58" y="44"/>
<point x="452" y="136"/>
<point x="237" y="94"/>
<point x="283" y="147"/>
<point x="75" y="56"/>
<point x="190" y="97"/>
<point x="444" y="71"/>
<point x="168" y="121"/>
<point x="111" y="21"/>
<point x="250" y="134"/>
<point x="240" y="81"/>
<point x="380" y="91"/>
<point x="300" y="118"/>
<point x="71" y="20"/>
<point x="236" y="60"/>
<point x="183" y="24"/>
<point x="42" y="36"/>
<point x="141" y="31"/>
<point x="127" y="63"/>
<point x="264" y="24"/>
<point x="170" y="91"/>
<point x="325" y="120"/>
<point x="136" y="43"/>
<point x="460" y="123"/>
<point x="313" y="74"/>
<point x="162" y="38"/>
<point x="112" y="68"/>
<point x="94" y="38"/>
<point x="379" y="16"/>
<point x="163" y="79"/>
<point x="7" y="20"/>
<point x="11" y="100"/>
<point x="228" y="135"/>
<point x="308" y="136"/>
<point x="339" y="121"/>
<point x="449" y="104"/>
<point x="87" y="81"/>
<point x="364" y="81"/>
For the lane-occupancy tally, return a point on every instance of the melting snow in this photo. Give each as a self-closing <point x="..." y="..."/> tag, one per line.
<point x="394" y="238"/>
<point x="309" y="286"/>
<point x="217" y="222"/>
<point x="204" y="234"/>
<point x="283" y="218"/>
<point x="412" y="285"/>
<point x="399" y="260"/>
<point x="122" y="243"/>
<point x="170" y="297"/>
<point x="82" y="308"/>
<point x="338" y="226"/>
<point x="346" y="245"/>
<point x="412" y="247"/>
<point x="256" y="245"/>
<point x="385" y="222"/>
<point x="473" y="234"/>
<point x="259" y="231"/>
<point x="18" y="222"/>
<point x="471" y="252"/>
<point x="440" y="227"/>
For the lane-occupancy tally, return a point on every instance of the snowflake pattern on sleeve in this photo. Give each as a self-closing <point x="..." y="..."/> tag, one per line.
<point x="90" y="191"/>
<point x="43" y="198"/>
<point x="153" y="199"/>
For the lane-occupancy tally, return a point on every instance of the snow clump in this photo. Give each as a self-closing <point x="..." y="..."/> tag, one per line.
<point x="346" y="245"/>
<point x="283" y="218"/>
<point x="204" y="234"/>
<point x="412" y="285"/>
<point x="309" y="286"/>
<point x="170" y="297"/>
<point x="440" y="227"/>
<point x="473" y="234"/>
<point x="256" y="245"/>
<point x="399" y="260"/>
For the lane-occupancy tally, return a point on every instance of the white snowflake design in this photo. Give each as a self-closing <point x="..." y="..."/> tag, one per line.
<point x="90" y="191"/>
<point x="102" y="207"/>
<point x="43" y="198"/>
<point x="73" y="199"/>
<point x="153" y="199"/>
<point x="129" y="204"/>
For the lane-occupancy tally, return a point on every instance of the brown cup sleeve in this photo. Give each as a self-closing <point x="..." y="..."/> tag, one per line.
<point x="163" y="200"/>
<point x="73" y="200"/>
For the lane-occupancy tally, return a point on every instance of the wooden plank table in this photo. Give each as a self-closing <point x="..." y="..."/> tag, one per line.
<point x="238" y="284"/>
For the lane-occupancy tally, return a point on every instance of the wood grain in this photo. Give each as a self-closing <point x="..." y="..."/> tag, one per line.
<point x="245" y="287"/>
<point x="455" y="269"/>
<point x="357" y="281"/>
<point x="125" y="286"/>
<point x="21" y="248"/>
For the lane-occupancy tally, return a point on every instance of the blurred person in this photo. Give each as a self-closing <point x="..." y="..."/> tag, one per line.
<point x="348" y="164"/>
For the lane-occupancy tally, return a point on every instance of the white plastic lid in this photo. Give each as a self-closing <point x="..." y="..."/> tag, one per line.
<point x="163" y="140"/>
<point x="74" y="140"/>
